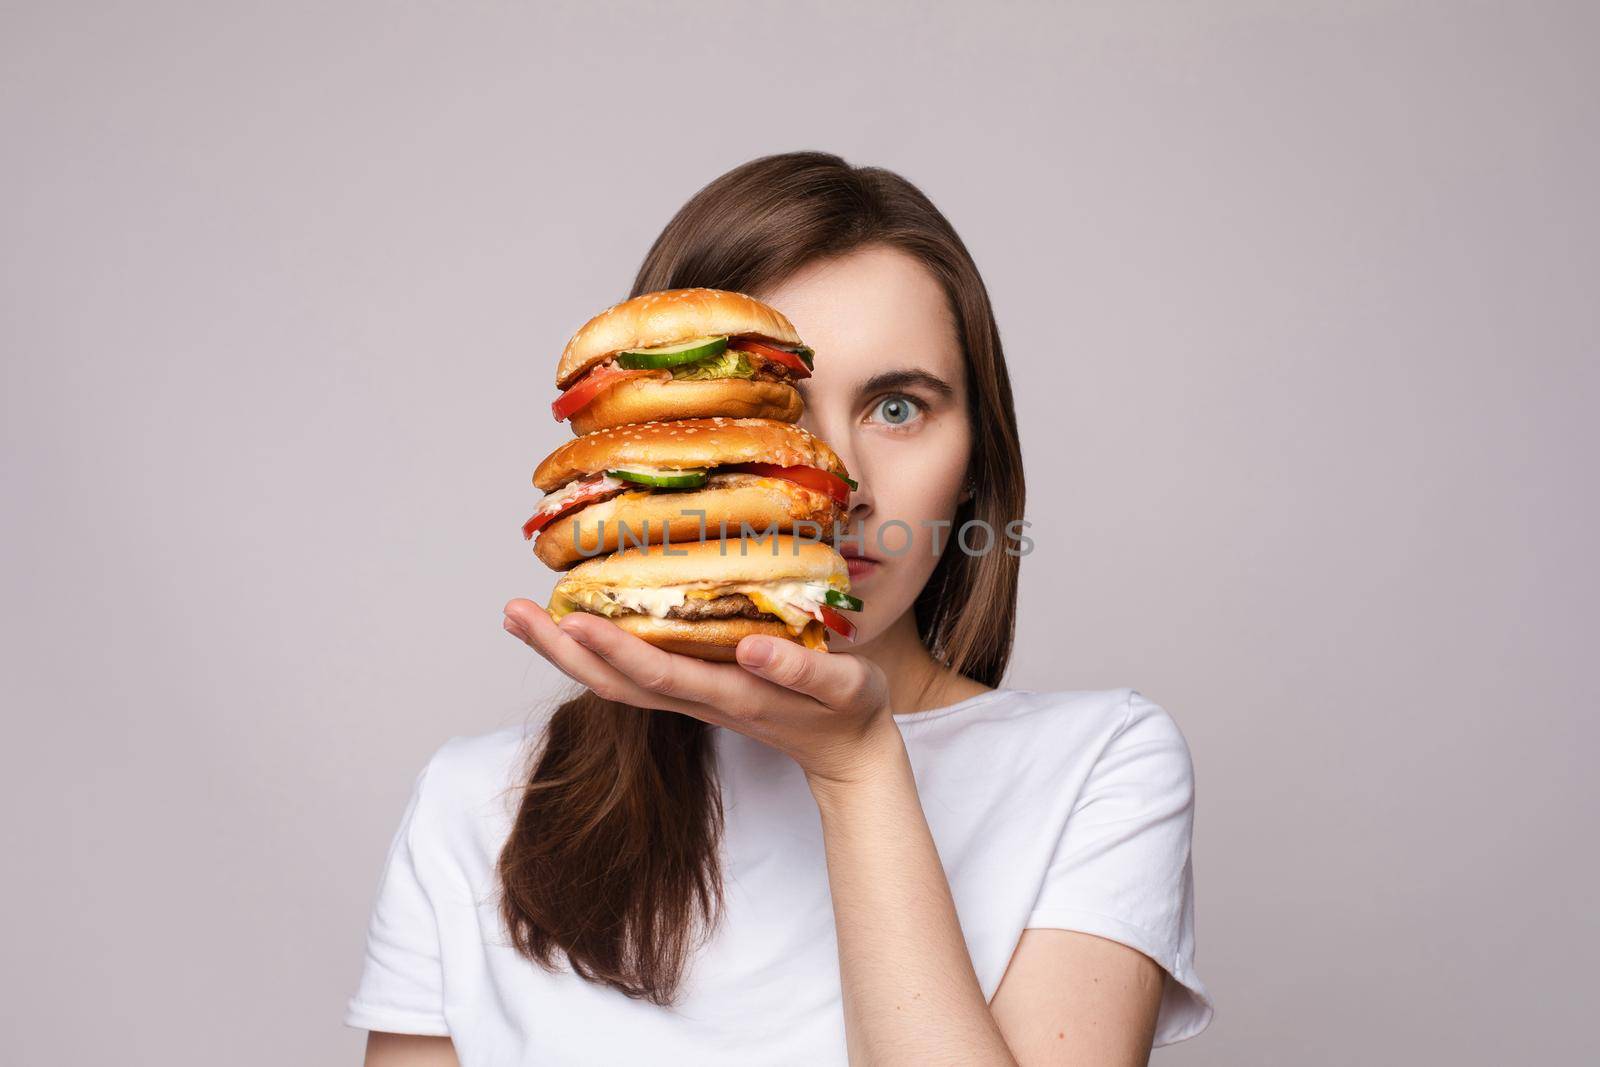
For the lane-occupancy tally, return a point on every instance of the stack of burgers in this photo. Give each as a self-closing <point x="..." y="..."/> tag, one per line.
<point x="691" y="510"/>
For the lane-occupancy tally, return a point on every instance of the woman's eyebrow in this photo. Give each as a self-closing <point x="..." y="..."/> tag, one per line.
<point x="900" y="379"/>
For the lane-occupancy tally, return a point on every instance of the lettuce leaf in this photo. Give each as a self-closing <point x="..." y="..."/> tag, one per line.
<point x="727" y="364"/>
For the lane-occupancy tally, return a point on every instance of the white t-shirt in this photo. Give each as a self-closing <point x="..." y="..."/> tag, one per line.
<point x="1069" y="810"/>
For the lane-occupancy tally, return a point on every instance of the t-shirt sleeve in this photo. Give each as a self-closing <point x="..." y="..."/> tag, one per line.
<point x="401" y="989"/>
<point x="1121" y="869"/>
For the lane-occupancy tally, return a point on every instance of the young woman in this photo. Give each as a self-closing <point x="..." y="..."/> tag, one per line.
<point x="805" y="858"/>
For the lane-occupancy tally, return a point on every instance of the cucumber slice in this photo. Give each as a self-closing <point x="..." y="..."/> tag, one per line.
<point x="806" y="356"/>
<point x="835" y="598"/>
<point x="680" y="479"/>
<point x="851" y="482"/>
<point x="671" y="355"/>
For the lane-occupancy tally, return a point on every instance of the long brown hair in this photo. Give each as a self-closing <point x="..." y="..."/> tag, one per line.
<point x="613" y="857"/>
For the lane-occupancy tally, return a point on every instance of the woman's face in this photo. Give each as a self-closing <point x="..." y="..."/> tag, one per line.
<point x="889" y="396"/>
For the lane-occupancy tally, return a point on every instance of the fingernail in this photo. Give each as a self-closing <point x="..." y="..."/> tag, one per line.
<point x="575" y="632"/>
<point x="757" y="654"/>
<point x="514" y="628"/>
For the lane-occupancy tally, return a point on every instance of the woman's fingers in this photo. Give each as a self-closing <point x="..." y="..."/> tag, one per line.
<point x="581" y="664"/>
<point x="717" y="692"/>
<point x="567" y="655"/>
<point x="518" y="612"/>
<point x="619" y="666"/>
<point x="819" y="707"/>
<point x="838" y="681"/>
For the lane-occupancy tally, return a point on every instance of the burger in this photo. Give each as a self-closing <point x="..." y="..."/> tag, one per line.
<point x="681" y="353"/>
<point x="700" y="598"/>
<point x="645" y="483"/>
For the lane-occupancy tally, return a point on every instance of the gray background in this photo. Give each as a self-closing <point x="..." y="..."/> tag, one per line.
<point x="1300" y="301"/>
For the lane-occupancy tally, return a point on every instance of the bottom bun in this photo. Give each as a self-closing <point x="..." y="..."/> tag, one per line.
<point x="712" y="639"/>
<point x="686" y="515"/>
<point x="651" y="399"/>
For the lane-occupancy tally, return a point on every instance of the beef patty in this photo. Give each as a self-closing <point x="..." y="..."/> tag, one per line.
<point x="731" y="606"/>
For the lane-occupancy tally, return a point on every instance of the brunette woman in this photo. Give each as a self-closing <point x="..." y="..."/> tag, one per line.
<point x="878" y="855"/>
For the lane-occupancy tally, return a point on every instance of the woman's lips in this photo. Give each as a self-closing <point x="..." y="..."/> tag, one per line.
<point x="860" y="566"/>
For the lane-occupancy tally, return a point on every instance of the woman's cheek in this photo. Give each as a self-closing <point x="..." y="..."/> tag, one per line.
<point x="944" y="458"/>
<point x="929" y="492"/>
<point x="917" y="488"/>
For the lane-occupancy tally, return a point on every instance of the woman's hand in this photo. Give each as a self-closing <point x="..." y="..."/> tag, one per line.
<point x="829" y="712"/>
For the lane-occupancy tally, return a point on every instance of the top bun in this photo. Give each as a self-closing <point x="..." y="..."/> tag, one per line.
<point x="664" y="318"/>
<point x="773" y="558"/>
<point x="686" y="443"/>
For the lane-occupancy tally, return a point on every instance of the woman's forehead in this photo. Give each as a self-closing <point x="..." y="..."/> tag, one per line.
<point x="869" y="310"/>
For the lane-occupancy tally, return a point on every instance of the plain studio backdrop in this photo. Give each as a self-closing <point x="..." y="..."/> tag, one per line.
<point x="1300" y="306"/>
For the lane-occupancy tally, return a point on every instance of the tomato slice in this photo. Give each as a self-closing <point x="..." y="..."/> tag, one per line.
<point x="810" y="477"/>
<point x="836" y="622"/>
<point x="537" y="523"/>
<point x="592" y="385"/>
<point x="776" y="355"/>
<point x="588" y="496"/>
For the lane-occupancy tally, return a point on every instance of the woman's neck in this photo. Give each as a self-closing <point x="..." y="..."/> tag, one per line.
<point x="917" y="681"/>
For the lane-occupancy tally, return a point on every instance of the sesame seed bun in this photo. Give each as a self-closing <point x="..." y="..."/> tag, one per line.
<point x="683" y="443"/>
<point x="667" y="317"/>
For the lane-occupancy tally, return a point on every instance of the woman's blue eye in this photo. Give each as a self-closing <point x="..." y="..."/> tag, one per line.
<point x="897" y="410"/>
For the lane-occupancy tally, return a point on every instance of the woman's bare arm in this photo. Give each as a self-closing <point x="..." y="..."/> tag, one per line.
<point x="1070" y="998"/>
<point x="409" y="1050"/>
<point x="910" y="993"/>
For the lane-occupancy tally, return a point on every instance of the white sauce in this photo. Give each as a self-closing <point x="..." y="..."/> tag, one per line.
<point x="657" y="601"/>
<point x="557" y="500"/>
<point x="794" y="602"/>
